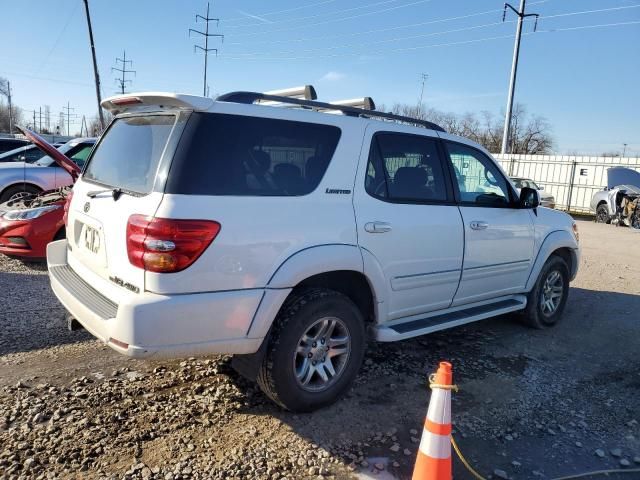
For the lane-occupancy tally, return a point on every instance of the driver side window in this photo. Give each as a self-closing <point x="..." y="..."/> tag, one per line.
<point x="479" y="179"/>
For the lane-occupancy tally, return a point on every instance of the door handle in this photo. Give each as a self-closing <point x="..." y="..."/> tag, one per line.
<point x="377" y="227"/>
<point x="479" y="225"/>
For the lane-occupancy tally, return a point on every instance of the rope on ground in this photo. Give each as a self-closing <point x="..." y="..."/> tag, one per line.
<point x="477" y="476"/>
<point x="568" y="477"/>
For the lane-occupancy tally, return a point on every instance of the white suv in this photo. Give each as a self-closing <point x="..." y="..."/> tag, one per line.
<point x="289" y="237"/>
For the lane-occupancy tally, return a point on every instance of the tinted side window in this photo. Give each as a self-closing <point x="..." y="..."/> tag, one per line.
<point x="479" y="179"/>
<point x="405" y="167"/>
<point x="239" y="155"/>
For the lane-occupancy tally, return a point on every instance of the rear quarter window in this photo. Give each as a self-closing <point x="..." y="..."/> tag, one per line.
<point x="128" y="155"/>
<point x="223" y="154"/>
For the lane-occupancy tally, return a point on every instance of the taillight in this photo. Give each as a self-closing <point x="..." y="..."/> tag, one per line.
<point x="67" y="206"/>
<point x="167" y="245"/>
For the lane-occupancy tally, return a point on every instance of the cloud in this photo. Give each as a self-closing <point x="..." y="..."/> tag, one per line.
<point x="332" y="76"/>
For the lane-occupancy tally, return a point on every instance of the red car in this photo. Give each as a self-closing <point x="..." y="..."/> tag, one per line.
<point x="29" y="223"/>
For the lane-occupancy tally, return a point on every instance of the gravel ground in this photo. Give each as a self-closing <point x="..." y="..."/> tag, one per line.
<point x="532" y="404"/>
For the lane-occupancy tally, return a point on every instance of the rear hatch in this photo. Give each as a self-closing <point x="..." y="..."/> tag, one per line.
<point x="121" y="178"/>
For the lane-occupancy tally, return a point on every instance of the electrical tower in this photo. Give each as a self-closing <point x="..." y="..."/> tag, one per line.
<point x="206" y="48"/>
<point x="47" y="118"/>
<point x="68" y="116"/>
<point x="123" y="71"/>
<point x="514" y="67"/>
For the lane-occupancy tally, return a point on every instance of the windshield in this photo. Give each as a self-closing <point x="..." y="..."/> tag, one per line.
<point x="47" y="161"/>
<point x="16" y="151"/>
<point x="129" y="154"/>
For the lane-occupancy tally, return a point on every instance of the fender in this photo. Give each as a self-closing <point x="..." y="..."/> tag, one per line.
<point x="552" y="242"/>
<point x="375" y="275"/>
<point x="314" y="260"/>
<point x="296" y="268"/>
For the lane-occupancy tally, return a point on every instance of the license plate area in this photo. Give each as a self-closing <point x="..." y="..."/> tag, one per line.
<point x="89" y="240"/>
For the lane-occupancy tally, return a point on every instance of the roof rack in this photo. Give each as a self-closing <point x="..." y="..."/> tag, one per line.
<point x="252" y="97"/>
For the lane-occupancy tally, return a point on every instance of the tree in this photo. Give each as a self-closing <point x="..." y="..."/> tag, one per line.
<point x="94" y="127"/>
<point x="7" y="118"/>
<point x="529" y="134"/>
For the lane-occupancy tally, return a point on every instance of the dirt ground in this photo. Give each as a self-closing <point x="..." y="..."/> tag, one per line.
<point x="532" y="403"/>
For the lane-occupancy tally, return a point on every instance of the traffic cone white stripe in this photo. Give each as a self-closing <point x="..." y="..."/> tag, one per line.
<point x="435" y="446"/>
<point x="440" y="407"/>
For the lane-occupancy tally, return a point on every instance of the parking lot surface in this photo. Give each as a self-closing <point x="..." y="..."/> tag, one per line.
<point x="532" y="403"/>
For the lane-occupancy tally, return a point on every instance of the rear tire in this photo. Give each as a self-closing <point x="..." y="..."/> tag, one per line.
<point x="16" y="190"/>
<point x="548" y="298"/>
<point x="602" y="214"/>
<point x="314" y="352"/>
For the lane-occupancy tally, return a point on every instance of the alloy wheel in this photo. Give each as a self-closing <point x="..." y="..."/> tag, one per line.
<point x="322" y="354"/>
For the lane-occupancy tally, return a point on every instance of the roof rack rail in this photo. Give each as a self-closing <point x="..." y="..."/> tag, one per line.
<point x="252" y="97"/>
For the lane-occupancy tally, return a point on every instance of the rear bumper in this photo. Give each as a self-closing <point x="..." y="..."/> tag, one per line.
<point x="148" y="325"/>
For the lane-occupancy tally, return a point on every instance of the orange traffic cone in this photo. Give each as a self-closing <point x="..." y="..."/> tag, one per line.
<point x="434" y="455"/>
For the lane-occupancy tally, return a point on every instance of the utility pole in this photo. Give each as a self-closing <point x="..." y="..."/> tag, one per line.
<point x="514" y="67"/>
<point x="40" y="129"/>
<point x="95" y="63"/>
<point x="122" y="81"/>
<point x="34" y="120"/>
<point x="424" y="79"/>
<point x="68" y="115"/>
<point x="206" y="48"/>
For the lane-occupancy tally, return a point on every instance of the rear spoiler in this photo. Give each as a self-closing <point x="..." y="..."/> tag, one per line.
<point x="149" y="100"/>
<point x="60" y="158"/>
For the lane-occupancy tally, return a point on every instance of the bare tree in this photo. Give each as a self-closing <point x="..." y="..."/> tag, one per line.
<point x="95" y="128"/>
<point x="529" y="134"/>
<point x="7" y="118"/>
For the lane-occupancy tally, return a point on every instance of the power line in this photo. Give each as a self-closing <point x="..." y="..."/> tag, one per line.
<point x="317" y="15"/>
<point x="341" y="19"/>
<point x="206" y="48"/>
<point x="378" y="42"/>
<point x="422" y="24"/>
<point x="58" y="38"/>
<point x="123" y="71"/>
<point x="420" y="47"/>
<point x="301" y="7"/>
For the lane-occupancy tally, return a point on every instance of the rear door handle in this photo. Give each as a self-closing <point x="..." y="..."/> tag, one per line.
<point x="377" y="227"/>
<point x="479" y="225"/>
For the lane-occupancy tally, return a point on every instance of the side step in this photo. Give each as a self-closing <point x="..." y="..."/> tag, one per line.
<point x="450" y="318"/>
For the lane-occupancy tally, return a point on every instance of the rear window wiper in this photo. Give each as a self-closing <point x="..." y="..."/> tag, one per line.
<point x="115" y="193"/>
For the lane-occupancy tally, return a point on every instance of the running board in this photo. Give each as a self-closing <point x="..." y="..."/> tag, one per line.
<point x="451" y="318"/>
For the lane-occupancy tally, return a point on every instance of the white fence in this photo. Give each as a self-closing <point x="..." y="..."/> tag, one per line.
<point x="572" y="180"/>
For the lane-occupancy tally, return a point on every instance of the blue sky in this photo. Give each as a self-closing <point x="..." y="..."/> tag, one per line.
<point x="585" y="81"/>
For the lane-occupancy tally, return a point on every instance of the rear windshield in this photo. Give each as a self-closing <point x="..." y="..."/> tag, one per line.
<point x="128" y="155"/>
<point x="238" y="155"/>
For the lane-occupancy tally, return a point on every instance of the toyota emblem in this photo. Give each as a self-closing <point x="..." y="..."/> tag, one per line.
<point x="87" y="206"/>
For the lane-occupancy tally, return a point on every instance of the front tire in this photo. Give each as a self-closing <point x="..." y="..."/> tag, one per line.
<point x="602" y="214"/>
<point x="548" y="298"/>
<point x="315" y="350"/>
<point x="19" y="191"/>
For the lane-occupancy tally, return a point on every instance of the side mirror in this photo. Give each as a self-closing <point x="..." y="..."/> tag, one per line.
<point x="529" y="198"/>
<point x="540" y="189"/>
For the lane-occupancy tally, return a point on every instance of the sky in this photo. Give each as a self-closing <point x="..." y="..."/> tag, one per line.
<point x="580" y="69"/>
